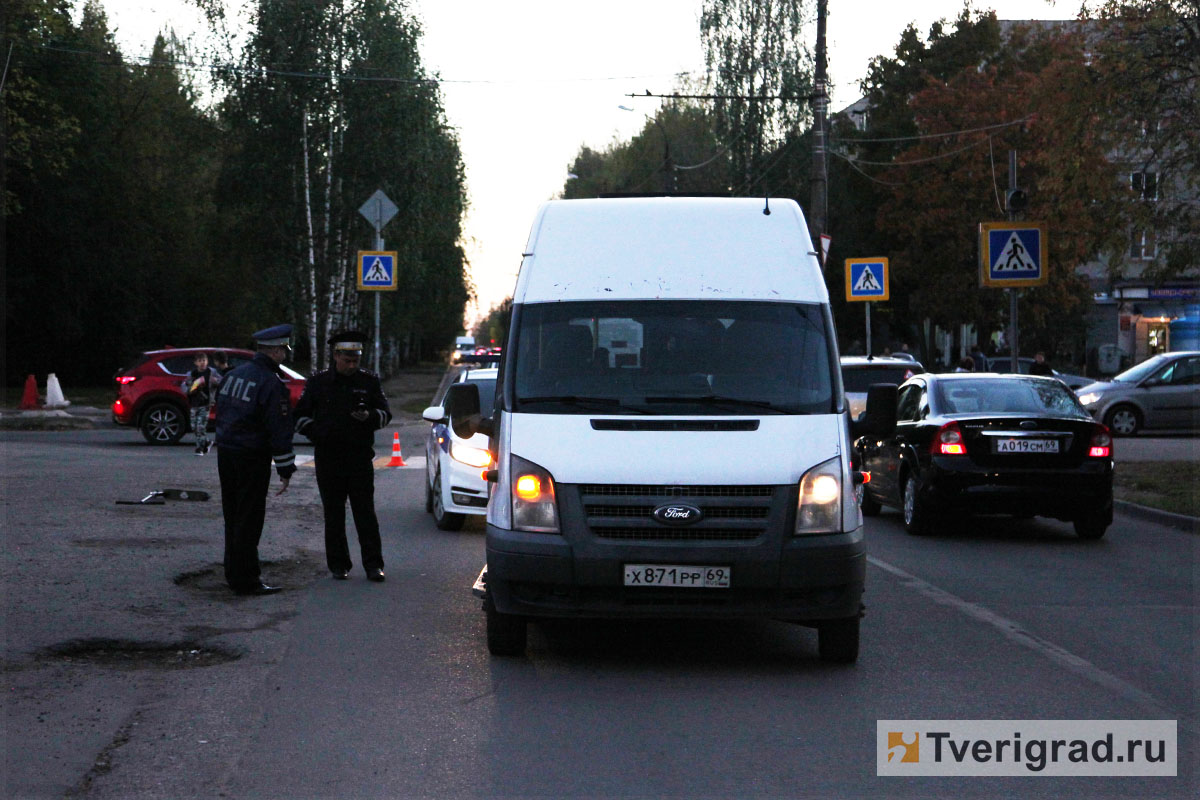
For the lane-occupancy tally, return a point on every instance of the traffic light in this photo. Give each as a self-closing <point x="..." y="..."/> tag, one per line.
<point x="1016" y="201"/>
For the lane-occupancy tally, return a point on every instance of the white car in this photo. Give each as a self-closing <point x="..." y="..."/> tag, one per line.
<point x="454" y="467"/>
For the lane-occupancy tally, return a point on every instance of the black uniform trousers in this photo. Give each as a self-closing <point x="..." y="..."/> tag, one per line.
<point x="245" y="480"/>
<point x="337" y="480"/>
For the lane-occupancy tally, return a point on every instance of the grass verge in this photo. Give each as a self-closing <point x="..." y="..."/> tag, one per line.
<point x="1167" y="485"/>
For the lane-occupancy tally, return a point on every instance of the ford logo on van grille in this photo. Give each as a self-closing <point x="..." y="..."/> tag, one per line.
<point x="678" y="514"/>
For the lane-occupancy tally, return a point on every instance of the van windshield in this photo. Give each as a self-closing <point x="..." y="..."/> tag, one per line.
<point x="672" y="357"/>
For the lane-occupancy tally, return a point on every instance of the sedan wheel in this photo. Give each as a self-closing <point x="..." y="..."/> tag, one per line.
<point x="445" y="520"/>
<point x="1124" y="420"/>
<point x="917" y="518"/>
<point x="163" y="424"/>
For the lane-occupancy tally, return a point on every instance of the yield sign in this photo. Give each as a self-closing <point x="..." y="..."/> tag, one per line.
<point x="867" y="279"/>
<point x="1012" y="254"/>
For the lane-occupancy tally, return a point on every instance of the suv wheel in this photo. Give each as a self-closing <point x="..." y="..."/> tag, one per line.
<point x="163" y="423"/>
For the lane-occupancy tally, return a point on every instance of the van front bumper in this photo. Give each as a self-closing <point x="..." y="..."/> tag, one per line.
<point x="797" y="578"/>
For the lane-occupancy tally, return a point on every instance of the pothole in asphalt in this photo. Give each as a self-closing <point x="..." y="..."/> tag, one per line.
<point x="290" y="573"/>
<point x="128" y="654"/>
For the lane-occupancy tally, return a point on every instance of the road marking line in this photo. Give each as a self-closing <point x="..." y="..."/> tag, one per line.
<point x="1014" y="632"/>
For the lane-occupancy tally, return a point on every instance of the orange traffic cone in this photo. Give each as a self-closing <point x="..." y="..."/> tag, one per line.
<point x="29" y="400"/>
<point x="397" y="459"/>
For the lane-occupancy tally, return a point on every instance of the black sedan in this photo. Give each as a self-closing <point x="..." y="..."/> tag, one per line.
<point x="941" y="447"/>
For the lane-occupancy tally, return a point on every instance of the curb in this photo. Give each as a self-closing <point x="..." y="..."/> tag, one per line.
<point x="1181" y="522"/>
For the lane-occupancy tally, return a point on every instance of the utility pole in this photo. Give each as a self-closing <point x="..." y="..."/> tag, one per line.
<point x="1014" y="204"/>
<point x="820" y="176"/>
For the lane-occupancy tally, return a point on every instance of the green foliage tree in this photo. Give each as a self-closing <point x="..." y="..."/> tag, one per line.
<point x="105" y="199"/>
<point x="755" y="54"/>
<point x="353" y="112"/>
<point x="949" y="180"/>
<point x="676" y="152"/>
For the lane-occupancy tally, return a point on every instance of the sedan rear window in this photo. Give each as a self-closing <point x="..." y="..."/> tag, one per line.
<point x="1006" y="395"/>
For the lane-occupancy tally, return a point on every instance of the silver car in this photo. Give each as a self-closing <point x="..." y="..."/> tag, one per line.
<point x="859" y="372"/>
<point x="1162" y="392"/>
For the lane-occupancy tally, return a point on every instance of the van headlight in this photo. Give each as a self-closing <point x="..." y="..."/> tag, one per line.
<point x="471" y="456"/>
<point x="533" y="502"/>
<point x="820" y="506"/>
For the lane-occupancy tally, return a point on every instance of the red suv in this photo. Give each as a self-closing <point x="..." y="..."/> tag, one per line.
<point x="150" y="395"/>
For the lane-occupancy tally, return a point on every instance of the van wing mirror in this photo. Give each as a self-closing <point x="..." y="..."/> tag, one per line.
<point x="880" y="417"/>
<point x="462" y="407"/>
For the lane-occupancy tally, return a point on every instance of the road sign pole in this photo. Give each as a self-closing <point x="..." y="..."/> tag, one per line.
<point x="868" y="305"/>
<point x="378" y="246"/>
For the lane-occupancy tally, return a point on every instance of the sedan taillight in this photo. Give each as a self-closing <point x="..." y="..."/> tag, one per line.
<point x="1101" y="444"/>
<point x="949" y="441"/>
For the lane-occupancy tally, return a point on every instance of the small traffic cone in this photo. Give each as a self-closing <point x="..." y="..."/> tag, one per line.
<point x="29" y="400"/>
<point x="397" y="458"/>
<point x="54" y="393"/>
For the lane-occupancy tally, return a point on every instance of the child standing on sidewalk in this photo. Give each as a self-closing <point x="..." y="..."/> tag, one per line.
<point x="200" y="386"/>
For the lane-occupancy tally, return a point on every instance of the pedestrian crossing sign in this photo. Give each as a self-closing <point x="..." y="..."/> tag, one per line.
<point x="376" y="270"/>
<point x="1012" y="254"/>
<point x="867" y="279"/>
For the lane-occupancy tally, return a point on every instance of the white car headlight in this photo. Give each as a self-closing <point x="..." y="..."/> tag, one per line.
<point x="471" y="456"/>
<point x="820" y="506"/>
<point x="1090" y="398"/>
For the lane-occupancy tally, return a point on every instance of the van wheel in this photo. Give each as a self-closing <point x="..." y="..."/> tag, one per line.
<point x="918" y="519"/>
<point x="837" y="641"/>
<point x="163" y="423"/>
<point x="445" y="520"/>
<point x="507" y="634"/>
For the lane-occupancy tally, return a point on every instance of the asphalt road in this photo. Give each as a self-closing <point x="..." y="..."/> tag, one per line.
<point x="132" y="672"/>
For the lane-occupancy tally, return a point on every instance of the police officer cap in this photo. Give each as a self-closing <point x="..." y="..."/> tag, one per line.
<point x="348" y="341"/>
<point x="280" y="335"/>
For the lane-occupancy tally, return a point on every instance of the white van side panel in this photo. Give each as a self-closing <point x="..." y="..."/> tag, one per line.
<point x="781" y="450"/>
<point x="670" y="248"/>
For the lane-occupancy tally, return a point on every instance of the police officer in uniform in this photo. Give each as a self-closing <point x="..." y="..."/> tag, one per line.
<point x="340" y="410"/>
<point x="254" y="430"/>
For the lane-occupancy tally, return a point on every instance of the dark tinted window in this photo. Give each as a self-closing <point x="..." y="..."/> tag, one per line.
<point x="1013" y="396"/>
<point x="672" y="357"/>
<point x="179" y="365"/>
<point x="908" y="403"/>
<point x="859" y="379"/>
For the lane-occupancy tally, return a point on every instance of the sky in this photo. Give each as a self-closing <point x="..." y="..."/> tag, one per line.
<point x="526" y="83"/>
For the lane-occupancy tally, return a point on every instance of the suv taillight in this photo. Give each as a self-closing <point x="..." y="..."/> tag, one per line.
<point x="124" y="379"/>
<point x="1101" y="444"/>
<point x="949" y="441"/>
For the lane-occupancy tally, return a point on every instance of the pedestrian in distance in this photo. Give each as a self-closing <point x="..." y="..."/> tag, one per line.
<point x="1039" y="365"/>
<point x="979" y="359"/>
<point x="340" y="410"/>
<point x="967" y="364"/>
<point x="200" y="386"/>
<point x="254" y="430"/>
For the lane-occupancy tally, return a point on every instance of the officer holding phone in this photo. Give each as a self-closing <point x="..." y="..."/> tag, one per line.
<point x="340" y="410"/>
